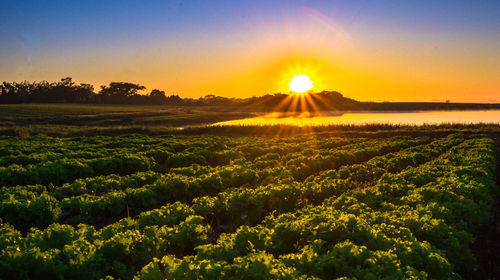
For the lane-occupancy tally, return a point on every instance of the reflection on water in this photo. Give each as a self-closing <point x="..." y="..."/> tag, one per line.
<point x="331" y="118"/>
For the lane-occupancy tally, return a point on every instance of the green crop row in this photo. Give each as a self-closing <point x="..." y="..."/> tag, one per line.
<point x="413" y="225"/>
<point x="236" y="207"/>
<point x="185" y="189"/>
<point x="230" y="174"/>
<point x="60" y="251"/>
<point x="123" y="247"/>
<point x="61" y="161"/>
<point x="397" y="209"/>
<point x="39" y="150"/>
<point x="144" y="191"/>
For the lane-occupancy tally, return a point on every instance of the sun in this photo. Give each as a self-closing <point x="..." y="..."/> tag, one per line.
<point x="300" y="83"/>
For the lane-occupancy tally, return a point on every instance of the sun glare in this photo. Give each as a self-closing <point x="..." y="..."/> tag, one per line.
<point x="300" y="83"/>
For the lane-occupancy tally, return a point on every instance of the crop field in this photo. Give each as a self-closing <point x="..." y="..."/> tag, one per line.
<point x="214" y="207"/>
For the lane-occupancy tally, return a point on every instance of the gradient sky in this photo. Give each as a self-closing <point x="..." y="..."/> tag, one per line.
<point x="367" y="50"/>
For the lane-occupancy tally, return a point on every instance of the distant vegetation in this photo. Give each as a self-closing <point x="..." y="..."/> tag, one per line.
<point x="66" y="91"/>
<point x="24" y="116"/>
<point x="74" y="120"/>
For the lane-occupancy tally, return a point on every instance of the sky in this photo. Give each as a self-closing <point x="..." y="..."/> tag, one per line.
<point x="412" y="50"/>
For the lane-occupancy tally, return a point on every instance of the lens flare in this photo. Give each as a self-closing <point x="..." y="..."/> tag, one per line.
<point x="300" y="83"/>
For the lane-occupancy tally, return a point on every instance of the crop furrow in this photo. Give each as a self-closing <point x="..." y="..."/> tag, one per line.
<point x="410" y="224"/>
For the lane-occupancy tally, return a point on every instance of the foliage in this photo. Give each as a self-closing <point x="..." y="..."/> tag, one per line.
<point x="243" y="208"/>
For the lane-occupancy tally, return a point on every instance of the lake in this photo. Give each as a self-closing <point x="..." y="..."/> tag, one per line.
<point x="406" y="117"/>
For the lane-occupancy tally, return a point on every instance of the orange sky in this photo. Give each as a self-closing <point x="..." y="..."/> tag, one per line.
<point x="364" y="53"/>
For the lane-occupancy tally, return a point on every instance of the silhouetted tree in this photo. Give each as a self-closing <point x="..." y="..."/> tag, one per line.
<point x="121" y="88"/>
<point x="65" y="91"/>
<point x="156" y="97"/>
<point x="119" y="92"/>
<point x="157" y="93"/>
<point x="175" y="100"/>
<point x="67" y="82"/>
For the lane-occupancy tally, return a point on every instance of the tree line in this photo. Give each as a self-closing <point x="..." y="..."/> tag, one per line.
<point x="67" y="91"/>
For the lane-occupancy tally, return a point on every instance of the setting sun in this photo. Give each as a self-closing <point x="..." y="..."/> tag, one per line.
<point x="300" y="83"/>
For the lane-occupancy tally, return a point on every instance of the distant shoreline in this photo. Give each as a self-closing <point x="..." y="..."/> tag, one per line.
<point x="385" y="107"/>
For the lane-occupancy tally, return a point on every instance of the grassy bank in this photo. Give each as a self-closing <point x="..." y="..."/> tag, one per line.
<point x="12" y="115"/>
<point x="368" y="129"/>
<point x="73" y="120"/>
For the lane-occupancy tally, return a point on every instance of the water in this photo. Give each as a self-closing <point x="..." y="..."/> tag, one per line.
<point x="333" y="118"/>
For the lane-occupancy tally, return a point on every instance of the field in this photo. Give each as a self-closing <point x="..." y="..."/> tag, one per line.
<point x="215" y="207"/>
<point x="77" y="120"/>
<point x="85" y="115"/>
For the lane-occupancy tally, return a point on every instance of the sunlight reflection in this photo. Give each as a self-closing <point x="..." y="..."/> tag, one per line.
<point x="315" y="118"/>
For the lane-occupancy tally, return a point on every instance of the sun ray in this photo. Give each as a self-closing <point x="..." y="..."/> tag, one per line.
<point x="298" y="104"/>
<point x="311" y="99"/>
